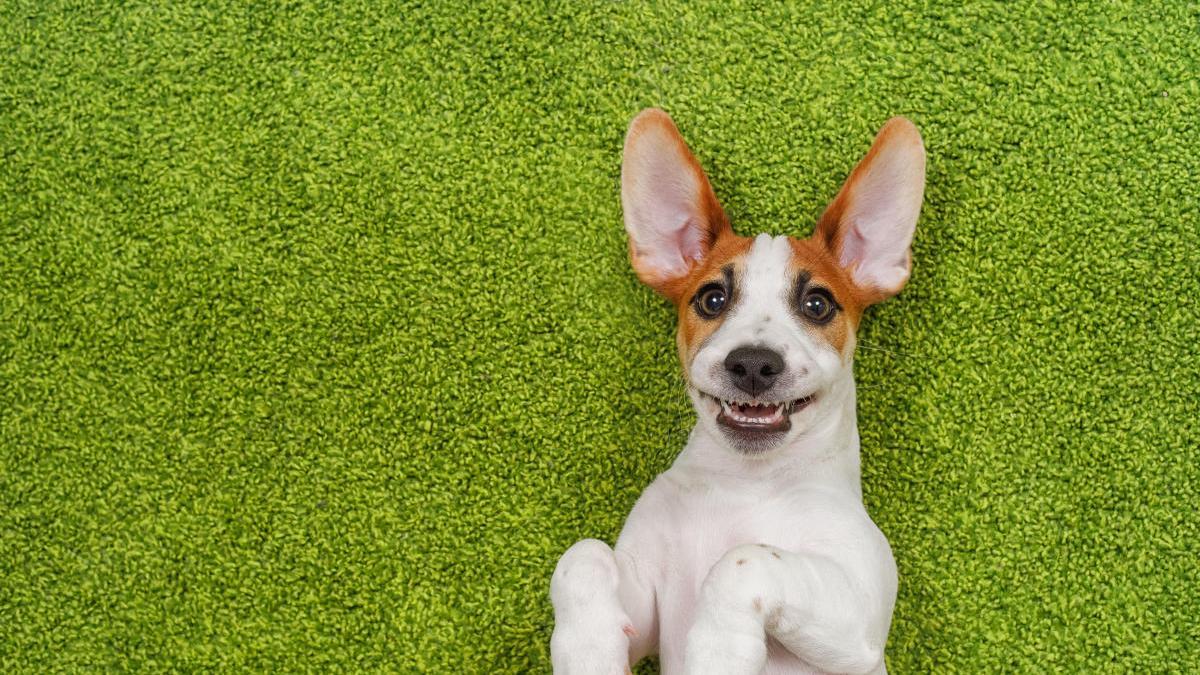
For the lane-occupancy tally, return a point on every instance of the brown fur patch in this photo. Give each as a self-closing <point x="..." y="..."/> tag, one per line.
<point x="693" y="329"/>
<point x="811" y="256"/>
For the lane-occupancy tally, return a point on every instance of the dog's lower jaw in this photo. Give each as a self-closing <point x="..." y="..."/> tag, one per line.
<point x="713" y="417"/>
<point x="823" y="438"/>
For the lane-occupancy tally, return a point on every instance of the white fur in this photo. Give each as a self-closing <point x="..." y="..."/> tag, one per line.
<point x="727" y="549"/>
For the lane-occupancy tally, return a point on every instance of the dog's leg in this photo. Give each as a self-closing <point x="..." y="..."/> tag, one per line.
<point x="603" y="613"/>
<point x="807" y="602"/>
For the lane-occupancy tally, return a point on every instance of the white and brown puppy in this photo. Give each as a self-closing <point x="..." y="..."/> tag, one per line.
<point x="754" y="552"/>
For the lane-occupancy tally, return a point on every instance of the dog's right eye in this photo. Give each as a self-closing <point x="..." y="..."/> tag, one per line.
<point x="710" y="301"/>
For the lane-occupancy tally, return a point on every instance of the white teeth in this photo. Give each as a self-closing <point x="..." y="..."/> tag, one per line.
<point x="731" y="411"/>
<point x="781" y="409"/>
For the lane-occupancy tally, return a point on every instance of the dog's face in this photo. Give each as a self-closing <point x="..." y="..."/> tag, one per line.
<point x="765" y="332"/>
<point x="767" y="325"/>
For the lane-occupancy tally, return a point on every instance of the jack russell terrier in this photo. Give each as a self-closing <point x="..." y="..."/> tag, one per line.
<point x="753" y="553"/>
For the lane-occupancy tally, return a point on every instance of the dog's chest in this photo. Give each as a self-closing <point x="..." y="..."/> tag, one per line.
<point x="701" y="521"/>
<point x="698" y="524"/>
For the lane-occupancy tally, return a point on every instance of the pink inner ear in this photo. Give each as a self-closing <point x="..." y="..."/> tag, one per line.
<point x="880" y="261"/>
<point x="877" y="209"/>
<point x="689" y="239"/>
<point x="671" y="249"/>
<point x="669" y="206"/>
<point x="663" y="216"/>
<point x="854" y="247"/>
<point x="879" y="226"/>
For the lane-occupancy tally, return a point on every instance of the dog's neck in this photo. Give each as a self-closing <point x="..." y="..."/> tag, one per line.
<point x="827" y="453"/>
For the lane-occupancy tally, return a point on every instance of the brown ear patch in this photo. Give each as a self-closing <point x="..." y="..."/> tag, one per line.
<point x="868" y="226"/>
<point x="672" y="215"/>
<point x="694" y="329"/>
<point x="812" y="257"/>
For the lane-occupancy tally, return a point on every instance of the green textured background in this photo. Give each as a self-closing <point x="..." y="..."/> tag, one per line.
<point x="318" y="342"/>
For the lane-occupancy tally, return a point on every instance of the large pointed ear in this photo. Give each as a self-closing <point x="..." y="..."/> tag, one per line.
<point x="869" y="225"/>
<point x="671" y="214"/>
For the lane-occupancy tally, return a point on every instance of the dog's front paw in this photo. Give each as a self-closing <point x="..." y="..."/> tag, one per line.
<point x="579" y="651"/>
<point x="593" y="641"/>
<point x="591" y="630"/>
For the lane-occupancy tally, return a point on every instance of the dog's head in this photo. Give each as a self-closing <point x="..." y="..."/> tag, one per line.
<point x="767" y="324"/>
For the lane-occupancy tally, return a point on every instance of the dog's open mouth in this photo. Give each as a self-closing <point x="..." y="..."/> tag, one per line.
<point x="760" y="417"/>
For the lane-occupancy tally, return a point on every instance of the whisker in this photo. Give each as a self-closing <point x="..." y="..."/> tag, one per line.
<point x="897" y="352"/>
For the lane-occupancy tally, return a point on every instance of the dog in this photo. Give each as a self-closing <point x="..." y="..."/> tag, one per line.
<point x="753" y="553"/>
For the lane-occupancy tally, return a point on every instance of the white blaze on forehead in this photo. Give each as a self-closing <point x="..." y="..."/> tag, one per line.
<point x="765" y="276"/>
<point x="762" y="314"/>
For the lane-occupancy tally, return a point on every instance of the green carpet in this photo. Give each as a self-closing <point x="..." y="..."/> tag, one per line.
<point x="319" y="343"/>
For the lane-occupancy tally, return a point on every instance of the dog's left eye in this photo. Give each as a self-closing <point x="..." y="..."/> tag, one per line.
<point x="710" y="301"/>
<point x="818" y="305"/>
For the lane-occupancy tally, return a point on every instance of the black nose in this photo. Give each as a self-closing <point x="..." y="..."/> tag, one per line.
<point x="753" y="369"/>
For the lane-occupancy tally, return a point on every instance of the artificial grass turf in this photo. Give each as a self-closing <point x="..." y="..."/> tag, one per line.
<point x="318" y="342"/>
